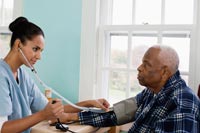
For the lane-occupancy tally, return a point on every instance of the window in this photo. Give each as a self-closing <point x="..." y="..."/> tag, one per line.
<point x="9" y="9"/>
<point x="136" y="25"/>
<point x="125" y="30"/>
<point x="122" y="53"/>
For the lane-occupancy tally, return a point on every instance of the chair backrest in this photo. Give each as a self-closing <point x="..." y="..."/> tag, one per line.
<point x="198" y="91"/>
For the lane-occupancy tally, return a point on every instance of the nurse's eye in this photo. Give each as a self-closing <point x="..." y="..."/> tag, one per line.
<point x="35" y="49"/>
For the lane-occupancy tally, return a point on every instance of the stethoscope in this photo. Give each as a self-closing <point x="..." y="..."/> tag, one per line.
<point x="96" y="110"/>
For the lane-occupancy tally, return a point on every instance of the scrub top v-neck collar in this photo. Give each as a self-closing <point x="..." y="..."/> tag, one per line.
<point x="12" y="75"/>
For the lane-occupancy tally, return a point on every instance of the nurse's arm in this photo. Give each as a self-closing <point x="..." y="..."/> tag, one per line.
<point x="51" y="111"/>
<point x="20" y="125"/>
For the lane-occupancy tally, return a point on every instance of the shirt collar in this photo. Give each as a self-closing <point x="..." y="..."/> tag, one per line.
<point x="168" y="88"/>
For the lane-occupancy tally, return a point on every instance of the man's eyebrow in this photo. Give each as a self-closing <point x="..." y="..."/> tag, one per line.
<point x="147" y="62"/>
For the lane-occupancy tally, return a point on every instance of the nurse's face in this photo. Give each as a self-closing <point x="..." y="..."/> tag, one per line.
<point x="32" y="49"/>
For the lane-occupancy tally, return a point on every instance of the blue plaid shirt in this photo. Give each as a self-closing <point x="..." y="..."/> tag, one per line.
<point x="174" y="109"/>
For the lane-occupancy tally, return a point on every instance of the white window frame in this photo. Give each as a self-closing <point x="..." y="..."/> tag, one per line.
<point x="91" y="24"/>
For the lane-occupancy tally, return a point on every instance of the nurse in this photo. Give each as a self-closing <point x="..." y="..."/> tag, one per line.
<point x="21" y="102"/>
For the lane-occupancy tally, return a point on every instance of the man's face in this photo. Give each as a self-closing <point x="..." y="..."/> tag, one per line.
<point x="150" y="71"/>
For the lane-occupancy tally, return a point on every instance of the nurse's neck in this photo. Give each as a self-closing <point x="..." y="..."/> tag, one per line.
<point x="12" y="60"/>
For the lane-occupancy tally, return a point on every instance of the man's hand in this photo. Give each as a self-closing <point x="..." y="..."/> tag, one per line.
<point x="101" y="103"/>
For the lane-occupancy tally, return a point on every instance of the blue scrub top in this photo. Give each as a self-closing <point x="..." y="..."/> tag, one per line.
<point x="18" y="100"/>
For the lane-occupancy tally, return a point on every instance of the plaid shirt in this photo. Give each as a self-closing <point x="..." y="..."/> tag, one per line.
<point x="174" y="109"/>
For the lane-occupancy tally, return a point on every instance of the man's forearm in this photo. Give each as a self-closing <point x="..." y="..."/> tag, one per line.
<point x="69" y="109"/>
<point x="98" y="103"/>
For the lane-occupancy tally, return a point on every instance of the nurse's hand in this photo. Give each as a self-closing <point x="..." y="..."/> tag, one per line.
<point x="53" y="110"/>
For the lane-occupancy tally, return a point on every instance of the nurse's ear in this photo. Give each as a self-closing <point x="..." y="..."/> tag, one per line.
<point x="17" y="44"/>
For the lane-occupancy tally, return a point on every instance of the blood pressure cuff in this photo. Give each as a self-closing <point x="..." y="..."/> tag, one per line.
<point x="125" y="110"/>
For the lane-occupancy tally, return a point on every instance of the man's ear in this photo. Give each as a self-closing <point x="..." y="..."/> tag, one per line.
<point x="166" y="73"/>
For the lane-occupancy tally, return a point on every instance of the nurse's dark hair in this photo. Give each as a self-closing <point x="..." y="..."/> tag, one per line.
<point x="24" y="30"/>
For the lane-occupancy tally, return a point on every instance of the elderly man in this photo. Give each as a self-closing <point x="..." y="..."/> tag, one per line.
<point x="166" y="105"/>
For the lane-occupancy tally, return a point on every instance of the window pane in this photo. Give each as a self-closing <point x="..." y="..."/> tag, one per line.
<point x="6" y="12"/>
<point x="117" y="86"/>
<point x="182" y="46"/>
<point x="4" y="44"/>
<point x="185" y="77"/>
<point x="140" y="43"/>
<point x="122" y="12"/>
<point x="119" y="46"/>
<point x="148" y="12"/>
<point x="179" y="12"/>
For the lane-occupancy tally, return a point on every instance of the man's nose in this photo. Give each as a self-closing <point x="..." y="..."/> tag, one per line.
<point x="139" y="67"/>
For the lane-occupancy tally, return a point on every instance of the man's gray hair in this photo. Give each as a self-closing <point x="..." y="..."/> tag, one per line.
<point x="169" y="57"/>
